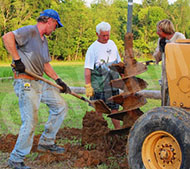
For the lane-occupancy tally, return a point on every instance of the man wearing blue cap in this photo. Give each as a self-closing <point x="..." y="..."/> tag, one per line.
<point x="29" y="49"/>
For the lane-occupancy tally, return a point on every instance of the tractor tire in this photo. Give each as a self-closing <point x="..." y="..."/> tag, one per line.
<point x="160" y="139"/>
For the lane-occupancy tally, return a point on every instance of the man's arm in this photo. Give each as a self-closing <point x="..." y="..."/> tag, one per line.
<point x="89" y="62"/>
<point x="52" y="74"/>
<point x="10" y="44"/>
<point x="87" y="74"/>
<point x="158" y="56"/>
<point x="88" y="86"/>
<point x="50" y="71"/>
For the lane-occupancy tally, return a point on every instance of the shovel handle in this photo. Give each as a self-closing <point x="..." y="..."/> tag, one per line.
<point x="53" y="84"/>
<point x="80" y="97"/>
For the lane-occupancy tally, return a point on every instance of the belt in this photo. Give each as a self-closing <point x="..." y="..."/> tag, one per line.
<point x="23" y="76"/>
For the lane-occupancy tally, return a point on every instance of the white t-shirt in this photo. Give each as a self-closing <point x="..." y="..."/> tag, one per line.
<point x="177" y="35"/>
<point x="99" y="53"/>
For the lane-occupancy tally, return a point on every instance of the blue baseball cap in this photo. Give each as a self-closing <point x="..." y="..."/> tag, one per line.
<point x="52" y="14"/>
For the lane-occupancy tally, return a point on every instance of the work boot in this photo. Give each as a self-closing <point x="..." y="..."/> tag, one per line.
<point x="51" y="148"/>
<point x="17" y="165"/>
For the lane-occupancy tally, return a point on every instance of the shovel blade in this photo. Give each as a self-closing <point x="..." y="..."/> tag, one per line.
<point x="101" y="107"/>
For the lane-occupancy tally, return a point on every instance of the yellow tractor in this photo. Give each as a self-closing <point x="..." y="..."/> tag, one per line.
<point x="160" y="138"/>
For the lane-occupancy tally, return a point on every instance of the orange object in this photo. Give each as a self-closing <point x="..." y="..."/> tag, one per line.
<point x="178" y="72"/>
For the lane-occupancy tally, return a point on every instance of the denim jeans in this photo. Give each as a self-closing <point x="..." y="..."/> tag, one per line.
<point x="30" y="94"/>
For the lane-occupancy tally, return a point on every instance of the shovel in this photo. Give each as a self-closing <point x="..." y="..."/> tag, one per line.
<point x="99" y="105"/>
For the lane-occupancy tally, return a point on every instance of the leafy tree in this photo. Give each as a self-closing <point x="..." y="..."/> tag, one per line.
<point x="72" y="41"/>
<point x="161" y="3"/>
<point x="179" y="15"/>
<point x="146" y="37"/>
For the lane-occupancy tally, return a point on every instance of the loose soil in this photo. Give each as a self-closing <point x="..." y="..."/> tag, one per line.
<point x="89" y="147"/>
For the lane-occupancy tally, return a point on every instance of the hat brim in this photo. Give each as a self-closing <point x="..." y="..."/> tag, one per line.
<point x="59" y="24"/>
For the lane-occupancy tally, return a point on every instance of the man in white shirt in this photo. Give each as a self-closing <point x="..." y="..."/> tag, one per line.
<point x="100" y="55"/>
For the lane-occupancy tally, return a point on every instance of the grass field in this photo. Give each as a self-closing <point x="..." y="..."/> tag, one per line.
<point x="73" y="75"/>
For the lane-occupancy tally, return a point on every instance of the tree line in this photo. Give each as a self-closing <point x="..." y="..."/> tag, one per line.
<point x="72" y="41"/>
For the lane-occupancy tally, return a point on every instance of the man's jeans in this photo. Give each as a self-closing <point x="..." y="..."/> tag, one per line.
<point x="30" y="94"/>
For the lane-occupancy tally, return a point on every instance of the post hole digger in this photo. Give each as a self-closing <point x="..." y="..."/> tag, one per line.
<point x="159" y="138"/>
<point x="98" y="105"/>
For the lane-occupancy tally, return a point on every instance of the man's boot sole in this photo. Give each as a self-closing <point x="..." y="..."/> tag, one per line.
<point x="49" y="151"/>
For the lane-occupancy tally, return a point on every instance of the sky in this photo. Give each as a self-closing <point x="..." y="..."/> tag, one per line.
<point x="135" y="1"/>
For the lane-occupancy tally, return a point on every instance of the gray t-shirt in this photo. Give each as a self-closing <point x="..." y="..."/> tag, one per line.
<point x="32" y="49"/>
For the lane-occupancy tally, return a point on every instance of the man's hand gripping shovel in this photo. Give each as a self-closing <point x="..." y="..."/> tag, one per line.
<point x="99" y="105"/>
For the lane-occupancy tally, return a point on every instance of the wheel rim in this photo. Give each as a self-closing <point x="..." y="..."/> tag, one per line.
<point x="161" y="150"/>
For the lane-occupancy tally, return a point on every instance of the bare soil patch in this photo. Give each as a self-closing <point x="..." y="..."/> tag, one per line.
<point x="90" y="147"/>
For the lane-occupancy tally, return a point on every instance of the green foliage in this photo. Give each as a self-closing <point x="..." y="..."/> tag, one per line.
<point x="72" y="41"/>
<point x="179" y="14"/>
<point x="3" y="53"/>
<point x="145" y="36"/>
<point x="161" y="3"/>
<point x="90" y="146"/>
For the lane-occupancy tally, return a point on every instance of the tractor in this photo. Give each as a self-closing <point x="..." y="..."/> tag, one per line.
<point x="160" y="138"/>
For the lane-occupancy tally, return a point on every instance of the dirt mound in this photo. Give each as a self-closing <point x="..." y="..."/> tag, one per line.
<point x="90" y="146"/>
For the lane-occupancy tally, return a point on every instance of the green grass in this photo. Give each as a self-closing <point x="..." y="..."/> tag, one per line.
<point x="151" y="76"/>
<point x="73" y="75"/>
<point x="5" y="71"/>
